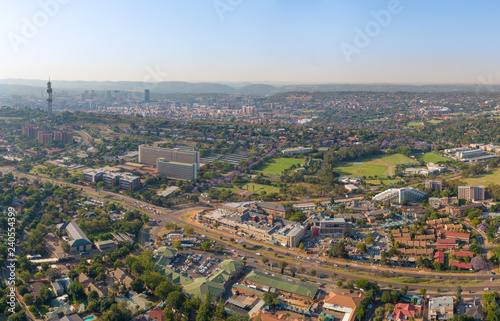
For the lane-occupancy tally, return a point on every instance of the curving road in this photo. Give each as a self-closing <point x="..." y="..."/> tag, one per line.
<point x="373" y="272"/>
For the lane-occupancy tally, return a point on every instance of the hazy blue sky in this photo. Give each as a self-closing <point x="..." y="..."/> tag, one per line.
<point x="251" y="40"/>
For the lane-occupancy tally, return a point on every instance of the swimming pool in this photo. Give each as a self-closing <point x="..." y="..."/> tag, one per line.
<point x="89" y="318"/>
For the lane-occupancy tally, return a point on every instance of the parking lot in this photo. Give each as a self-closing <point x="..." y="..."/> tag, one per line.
<point x="199" y="264"/>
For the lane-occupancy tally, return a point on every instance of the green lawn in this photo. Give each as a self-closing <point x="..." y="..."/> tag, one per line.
<point x="390" y="160"/>
<point x="363" y="170"/>
<point x="435" y="121"/>
<point x="380" y="166"/>
<point x="414" y="124"/>
<point x="258" y="188"/>
<point x="277" y="165"/>
<point x="432" y="158"/>
<point x="38" y="169"/>
<point x="493" y="177"/>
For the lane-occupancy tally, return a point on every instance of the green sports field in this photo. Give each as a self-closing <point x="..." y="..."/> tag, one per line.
<point x="414" y="124"/>
<point x="493" y="177"/>
<point x="351" y="170"/>
<point x="381" y="166"/>
<point x="277" y="165"/>
<point x="258" y="188"/>
<point x="432" y="158"/>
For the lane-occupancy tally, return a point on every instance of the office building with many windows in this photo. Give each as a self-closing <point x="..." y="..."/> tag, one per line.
<point x="176" y="170"/>
<point x="150" y="154"/>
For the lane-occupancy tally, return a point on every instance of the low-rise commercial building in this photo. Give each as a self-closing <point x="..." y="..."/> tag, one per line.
<point x="123" y="180"/>
<point x="469" y="153"/>
<point x="274" y="208"/>
<point x="457" y="211"/>
<point x="129" y="182"/>
<point x="93" y="175"/>
<point x="443" y="201"/>
<point x="78" y="240"/>
<point x="247" y="220"/>
<point x="344" y="303"/>
<point x="296" y="150"/>
<point x="441" y="308"/>
<point x="287" y="289"/>
<point x="330" y="227"/>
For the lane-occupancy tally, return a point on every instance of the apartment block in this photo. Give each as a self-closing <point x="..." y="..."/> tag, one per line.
<point x="471" y="193"/>
<point x="45" y="137"/>
<point x="30" y="130"/>
<point x="63" y="136"/>
<point x="434" y="185"/>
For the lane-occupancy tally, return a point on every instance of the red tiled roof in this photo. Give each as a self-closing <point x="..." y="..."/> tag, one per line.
<point x="156" y="314"/>
<point x="462" y="265"/>
<point x="469" y="254"/>
<point x="439" y="257"/>
<point x="403" y="311"/>
<point x="444" y="247"/>
<point x="446" y="241"/>
<point x="455" y="234"/>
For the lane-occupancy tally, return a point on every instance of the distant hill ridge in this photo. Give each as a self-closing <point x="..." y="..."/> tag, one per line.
<point x="19" y="86"/>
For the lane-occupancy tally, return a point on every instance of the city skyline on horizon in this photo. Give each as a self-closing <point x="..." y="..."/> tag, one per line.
<point x="268" y="42"/>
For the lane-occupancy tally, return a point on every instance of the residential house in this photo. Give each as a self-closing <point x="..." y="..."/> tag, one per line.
<point x="73" y="317"/>
<point x="84" y="279"/>
<point x="101" y="290"/>
<point x="122" y="276"/>
<point x="142" y="301"/>
<point x="35" y="288"/>
<point x="156" y="314"/>
<point x="473" y="308"/>
<point x="404" y="311"/>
